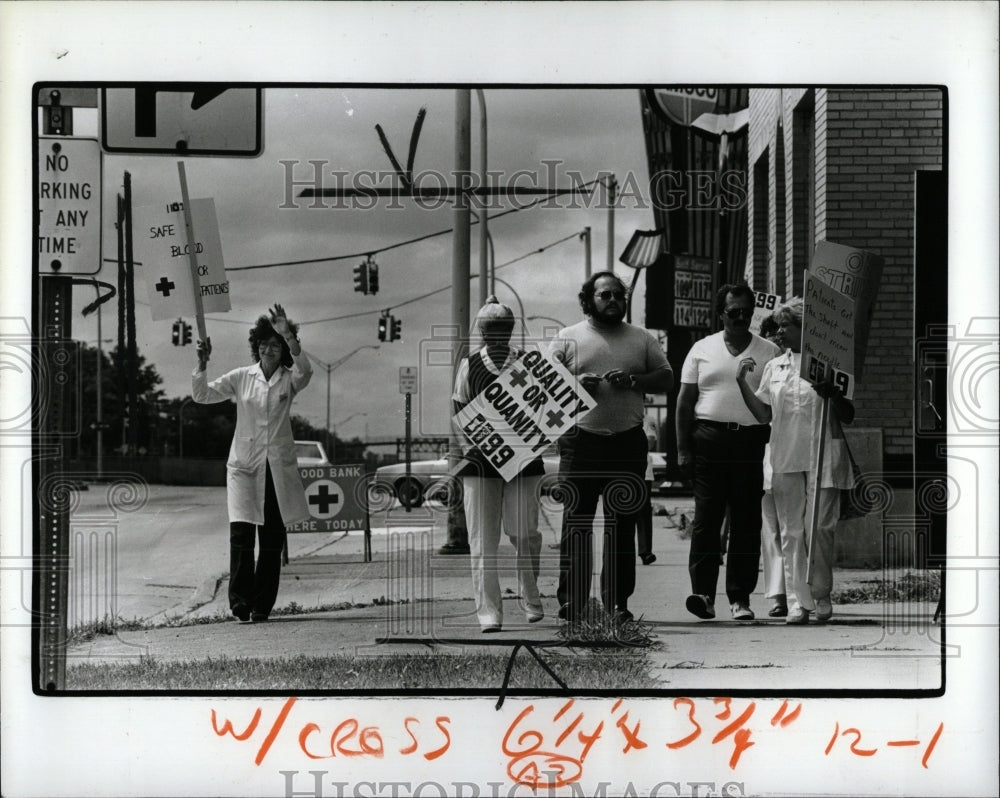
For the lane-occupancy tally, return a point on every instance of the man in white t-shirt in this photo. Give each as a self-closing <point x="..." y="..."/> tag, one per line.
<point x="720" y="445"/>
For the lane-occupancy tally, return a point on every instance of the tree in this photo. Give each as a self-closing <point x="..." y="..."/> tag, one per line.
<point x="82" y="373"/>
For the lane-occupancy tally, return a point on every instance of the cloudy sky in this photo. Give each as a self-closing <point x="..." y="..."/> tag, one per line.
<point x="539" y="133"/>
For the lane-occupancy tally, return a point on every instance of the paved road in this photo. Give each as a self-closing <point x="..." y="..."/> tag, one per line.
<point x="172" y="556"/>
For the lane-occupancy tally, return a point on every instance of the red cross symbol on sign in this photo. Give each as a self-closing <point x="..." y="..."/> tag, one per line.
<point x="325" y="499"/>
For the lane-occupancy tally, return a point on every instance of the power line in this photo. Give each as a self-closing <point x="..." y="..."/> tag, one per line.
<point x="412" y="299"/>
<point x="439" y="290"/>
<point x="366" y="253"/>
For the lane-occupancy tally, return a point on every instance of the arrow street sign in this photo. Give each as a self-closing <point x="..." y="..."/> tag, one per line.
<point x="183" y="119"/>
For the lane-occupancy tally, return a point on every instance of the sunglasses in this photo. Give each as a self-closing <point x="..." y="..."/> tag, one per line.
<point x="735" y="313"/>
<point x="606" y="295"/>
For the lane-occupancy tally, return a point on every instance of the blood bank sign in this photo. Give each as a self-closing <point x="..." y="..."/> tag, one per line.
<point x="69" y="205"/>
<point x="332" y="495"/>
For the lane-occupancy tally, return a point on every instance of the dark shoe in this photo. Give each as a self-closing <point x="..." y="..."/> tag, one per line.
<point x="493" y="627"/>
<point x="242" y="615"/>
<point x="258" y="617"/>
<point x="824" y="609"/>
<point x="778" y="610"/>
<point x="647" y="559"/>
<point x="742" y="611"/>
<point x="455" y="548"/>
<point x="702" y="606"/>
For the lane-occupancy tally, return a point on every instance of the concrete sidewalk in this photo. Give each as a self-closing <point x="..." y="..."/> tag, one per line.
<point x="409" y="599"/>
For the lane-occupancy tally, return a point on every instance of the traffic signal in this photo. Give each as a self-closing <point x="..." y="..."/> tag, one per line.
<point x="383" y="324"/>
<point x="361" y="278"/>
<point x="186" y="333"/>
<point x="396" y="329"/>
<point x="176" y="336"/>
<point x="372" y="277"/>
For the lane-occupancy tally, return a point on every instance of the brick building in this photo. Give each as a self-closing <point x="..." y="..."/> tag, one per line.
<point x="834" y="164"/>
<point x="839" y="164"/>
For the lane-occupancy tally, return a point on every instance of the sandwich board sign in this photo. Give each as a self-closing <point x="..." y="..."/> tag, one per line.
<point x="332" y="497"/>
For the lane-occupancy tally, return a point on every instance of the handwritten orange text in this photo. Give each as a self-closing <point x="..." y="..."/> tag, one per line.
<point x="856" y="747"/>
<point x="348" y="738"/>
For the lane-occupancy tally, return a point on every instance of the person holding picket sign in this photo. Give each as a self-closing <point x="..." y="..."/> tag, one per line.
<point x="264" y="490"/>
<point x="792" y="405"/>
<point x="488" y="499"/>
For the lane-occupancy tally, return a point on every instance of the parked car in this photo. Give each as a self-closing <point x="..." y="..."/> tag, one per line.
<point x="310" y="453"/>
<point x="432" y="480"/>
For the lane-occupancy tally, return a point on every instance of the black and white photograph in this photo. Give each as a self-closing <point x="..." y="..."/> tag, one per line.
<point x="492" y="414"/>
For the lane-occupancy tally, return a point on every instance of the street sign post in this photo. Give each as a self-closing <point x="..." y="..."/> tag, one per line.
<point x="408" y="387"/>
<point x="407" y="379"/>
<point x="69" y="205"/>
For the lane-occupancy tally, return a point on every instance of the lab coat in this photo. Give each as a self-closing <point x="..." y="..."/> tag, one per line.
<point x="263" y="436"/>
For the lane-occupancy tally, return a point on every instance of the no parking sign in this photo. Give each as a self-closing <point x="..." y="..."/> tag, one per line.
<point x="335" y="496"/>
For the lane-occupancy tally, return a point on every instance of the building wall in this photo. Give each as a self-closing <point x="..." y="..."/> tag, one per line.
<point x="867" y="144"/>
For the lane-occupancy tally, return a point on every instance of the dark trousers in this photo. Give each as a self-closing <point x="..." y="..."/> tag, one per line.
<point x="610" y="468"/>
<point x="728" y="474"/>
<point x="251" y="588"/>
<point x="644" y="524"/>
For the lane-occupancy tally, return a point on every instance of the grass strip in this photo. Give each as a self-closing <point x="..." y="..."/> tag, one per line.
<point x="612" y="669"/>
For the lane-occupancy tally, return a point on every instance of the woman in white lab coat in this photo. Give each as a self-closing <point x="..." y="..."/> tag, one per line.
<point x="265" y="493"/>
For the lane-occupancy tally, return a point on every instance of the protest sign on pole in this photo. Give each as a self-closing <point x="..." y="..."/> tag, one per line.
<point x="529" y="406"/>
<point x="857" y="274"/>
<point x="828" y="323"/>
<point x="764" y="305"/>
<point x="161" y="246"/>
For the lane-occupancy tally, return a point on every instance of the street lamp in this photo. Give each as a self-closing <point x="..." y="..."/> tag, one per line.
<point x="344" y="421"/>
<point x="330" y="367"/>
<point x="96" y="305"/>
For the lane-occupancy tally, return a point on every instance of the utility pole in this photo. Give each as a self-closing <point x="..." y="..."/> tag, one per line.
<point x="611" y="185"/>
<point x="484" y="281"/>
<point x="458" y="534"/>
<point x="585" y="236"/>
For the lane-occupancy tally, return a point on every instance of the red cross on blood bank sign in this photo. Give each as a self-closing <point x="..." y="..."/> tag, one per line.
<point x="335" y="496"/>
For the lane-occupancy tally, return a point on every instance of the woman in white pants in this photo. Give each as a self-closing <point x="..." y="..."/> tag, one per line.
<point x="793" y="407"/>
<point x="772" y="559"/>
<point x="490" y="500"/>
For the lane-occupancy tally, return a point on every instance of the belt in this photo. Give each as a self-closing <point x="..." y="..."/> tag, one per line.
<point x="732" y="426"/>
